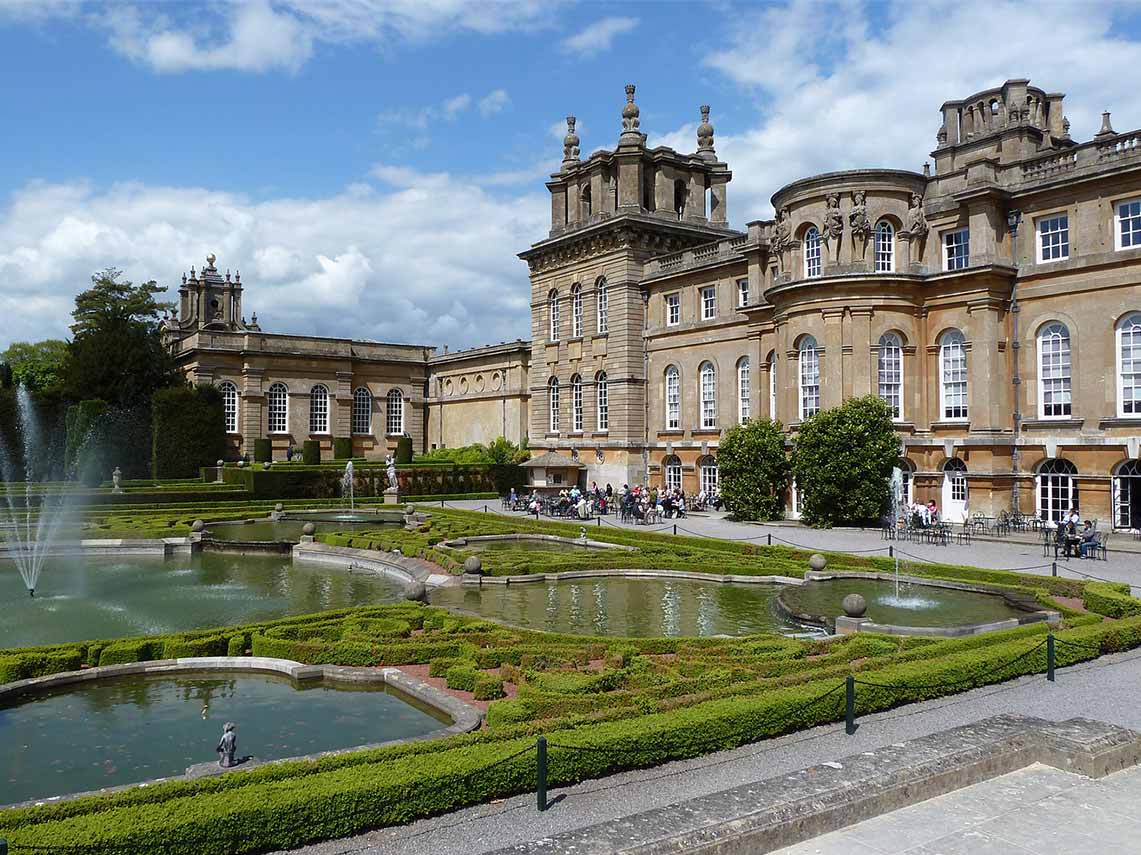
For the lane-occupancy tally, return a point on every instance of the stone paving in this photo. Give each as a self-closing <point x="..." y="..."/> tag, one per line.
<point x="1034" y="811"/>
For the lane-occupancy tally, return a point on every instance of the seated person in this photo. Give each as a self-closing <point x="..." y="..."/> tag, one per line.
<point x="1087" y="541"/>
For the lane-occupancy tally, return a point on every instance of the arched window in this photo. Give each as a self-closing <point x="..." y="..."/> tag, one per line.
<point x="953" y="374"/>
<point x="885" y="247"/>
<point x="708" y="375"/>
<point x="229" y="405"/>
<point x="809" y="358"/>
<point x="277" y="408"/>
<point x="1129" y="366"/>
<point x="772" y="385"/>
<point x="743" y="390"/>
<point x="890" y="366"/>
<point x="1054" y="372"/>
<point x="603" y="307"/>
<point x="907" y="476"/>
<point x="1127" y="495"/>
<point x="812" y="252"/>
<point x="319" y="409"/>
<point x="553" y="404"/>
<point x="576" y="404"/>
<point x="707" y="472"/>
<point x="586" y="206"/>
<point x="602" y="400"/>
<point x="1057" y="491"/>
<point x="681" y="196"/>
<point x="362" y="410"/>
<point x="394" y="425"/>
<point x="576" y="311"/>
<point x="671" y="465"/>
<point x="673" y="399"/>
<point x="553" y="315"/>
<point x="954" y="490"/>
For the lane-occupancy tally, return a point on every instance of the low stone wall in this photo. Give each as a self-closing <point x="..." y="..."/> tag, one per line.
<point x="165" y="546"/>
<point x="461" y="542"/>
<point x="634" y="573"/>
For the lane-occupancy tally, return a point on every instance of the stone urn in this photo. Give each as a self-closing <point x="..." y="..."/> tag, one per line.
<point x="473" y="566"/>
<point x="817" y="562"/>
<point x="308" y="529"/>
<point x="854" y="605"/>
<point x="197" y="526"/>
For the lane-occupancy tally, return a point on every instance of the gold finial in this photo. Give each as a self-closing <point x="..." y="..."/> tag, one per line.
<point x="210" y="259"/>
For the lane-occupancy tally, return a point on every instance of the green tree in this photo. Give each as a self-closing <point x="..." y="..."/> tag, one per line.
<point x="842" y="461"/>
<point x="117" y="354"/>
<point x="39" y="365"/>
<point x="753" y="470"/>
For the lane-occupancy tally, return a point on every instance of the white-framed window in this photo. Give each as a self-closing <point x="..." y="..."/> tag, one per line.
<point x="553" y="405"/>
<point x="812" y="252"/>
<point x="672" y="467"/>
<point x="277" y="408"/>
<point x="809" y="359"/>
<point x="709" y="303"/>
<point x="576" y="404"/>
<point x="743" y="390"/>
<point x="742" y="292"/>
<point x="906" y="475"/>
<point x="708" y="379"/>
<point x="1127" y="224"/>
<point x="394" y="424"/>
<point x="885" y="247"/>
<point x="1053" y="238"/>
<point x="1056" y="489"/>
<point x="229" y="405"/>
<point x="773" y="385"/>
<point x="319" y="409"/>
<point x="553" y="315"/>
<point x="890" y="369"/>
<point x="673" y="310"/>
<point x="602" y="302"/>
<point x="1054" y="372"/>
<point x="707" y="469"/>
<point x="362" y="411"/>
<point x="1129" y="366"/>
<point x="953" y="376"/>
<point x="673" y="398"/>
<point x="576" y="311"/>
<point x="602" y="401"/>
<point x="957" y="249"/>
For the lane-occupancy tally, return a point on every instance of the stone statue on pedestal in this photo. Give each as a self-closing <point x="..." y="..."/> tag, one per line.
<point x="390" y="465"/>
<point x="227" y="746"/>
<point x="117" y="480"/>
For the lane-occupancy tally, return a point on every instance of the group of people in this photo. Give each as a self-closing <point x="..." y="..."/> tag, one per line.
<point x="1072" y="539"/>
<point x="638" y="501"/>
<point x="924" y="515"/>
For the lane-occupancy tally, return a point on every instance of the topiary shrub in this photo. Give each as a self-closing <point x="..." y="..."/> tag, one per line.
<point x="342" y="447"/>
<point x="263" y="449"/>
<point x="753" y="470"/>
<point x="488" y="688"/>
<point x="311" y="452"/>
<point x="189" y="430"/>
<point x="236" y="646"/>
<point x="404" y="450"/>
<point x="462" y="677"/>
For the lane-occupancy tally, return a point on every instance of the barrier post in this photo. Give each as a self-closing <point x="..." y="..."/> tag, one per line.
<point x="3" y="846"/>
<point x="850" y="705"/>
<point x="441" y="503"/>
<point x="541" y="772"/>
<point x="599" y="518"/>
<point x="675" y="528"/>
<point x="1050" y="657"/>
<point x="1054" y="569"/>
<point x="890" y="551"/>
<point x="770" y="536"/>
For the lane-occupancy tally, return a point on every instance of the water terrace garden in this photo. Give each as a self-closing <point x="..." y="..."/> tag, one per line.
<point x="603" y="702"/>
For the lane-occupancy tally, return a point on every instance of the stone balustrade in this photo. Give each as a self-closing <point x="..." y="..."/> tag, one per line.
<point x="709" y="253"/>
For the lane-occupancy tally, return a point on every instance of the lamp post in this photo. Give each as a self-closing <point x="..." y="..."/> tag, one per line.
<point x="1013" y="220"/>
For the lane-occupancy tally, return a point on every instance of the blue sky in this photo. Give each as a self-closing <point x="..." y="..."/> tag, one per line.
<point x="373" y="166"/>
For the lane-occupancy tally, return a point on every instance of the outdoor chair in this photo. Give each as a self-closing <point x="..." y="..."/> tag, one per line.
<point x="963" y="536"/>
<point x="1102" y="547"/>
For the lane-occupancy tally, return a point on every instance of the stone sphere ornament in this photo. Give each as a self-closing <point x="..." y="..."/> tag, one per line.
<point x="279" y="507"/>
<point x="473" y="565"/>
<point x="854" y="605"/>
<point x="221" y="463"/>
<point x="265" y="465"/>
<point x="817" y="562"/>
<point x="308" y="529"/>
<point x="416" y="593"/>
<point x="241" y="464"/>
<point x="197" y="525"/>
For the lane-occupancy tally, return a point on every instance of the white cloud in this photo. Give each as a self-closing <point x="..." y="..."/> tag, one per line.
<point x="451" y="108"/>
<point x="598" y="37"/>
<point x="494" y="102"/>
<point x="869" y="96"/>
<point x="424" y="258"/>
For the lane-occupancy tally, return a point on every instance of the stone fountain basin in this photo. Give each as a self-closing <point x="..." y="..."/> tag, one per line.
<point x="531" y="541"/>
<point x="930" y="620"/>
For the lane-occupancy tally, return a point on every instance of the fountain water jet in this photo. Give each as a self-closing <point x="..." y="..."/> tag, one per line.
<point x="347" y="485"/>
<point x="29" y="534"/>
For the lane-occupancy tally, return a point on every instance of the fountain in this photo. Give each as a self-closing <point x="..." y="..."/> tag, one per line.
<point x="347" y="484"/>
<point x="29" y="534"/>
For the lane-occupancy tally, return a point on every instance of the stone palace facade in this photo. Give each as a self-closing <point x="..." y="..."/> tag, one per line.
<point x="992" y="299"/>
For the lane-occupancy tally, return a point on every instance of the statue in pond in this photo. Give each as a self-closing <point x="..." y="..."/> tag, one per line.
<point x="117" y="480"/>
<point x="390" y="463"/>
<point x="227" y="746"/>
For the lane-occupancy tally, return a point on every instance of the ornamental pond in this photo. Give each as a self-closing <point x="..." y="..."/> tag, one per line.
<point x="121" y="730"/>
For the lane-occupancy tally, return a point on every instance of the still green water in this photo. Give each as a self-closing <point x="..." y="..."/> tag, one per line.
<point x="626" y="606"/>
<point x="916" y="605"/>
<point x="127" y="729"/>
<point x="85" y="598"/>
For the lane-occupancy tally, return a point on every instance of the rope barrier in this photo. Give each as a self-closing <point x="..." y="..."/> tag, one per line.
<point x="961" y="682"/>
<point x="1075" y="644"/>
<point x="1096" y="578"/>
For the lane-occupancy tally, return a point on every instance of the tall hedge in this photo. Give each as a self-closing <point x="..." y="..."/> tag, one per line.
<point x="263" y="449"/>
<point x="342" y="447"/>
<point x="101" y="437"/>
<point x="404" y="450"/>
<point x="189" y="430"/>
<point x="311" y="452"/>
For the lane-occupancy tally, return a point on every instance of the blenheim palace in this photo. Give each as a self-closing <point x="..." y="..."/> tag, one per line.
<point x="992" y="300"/>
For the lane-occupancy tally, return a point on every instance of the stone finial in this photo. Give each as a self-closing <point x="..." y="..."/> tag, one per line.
<point x="210" y="259"/>
<point x="192" y="276"/>
<point x="941" y="137"/>
<point x="926" y="169"/>
<point x="184" y="278"/>
<point x="227" y="275"/>
<point x="630" y="121"/>
<point x="570" y="143"/>
<point x="705" y="135"/>
<point x="1065" y="127"/>
<point x="237" y="276"/>
<point x="1106" y="128"/>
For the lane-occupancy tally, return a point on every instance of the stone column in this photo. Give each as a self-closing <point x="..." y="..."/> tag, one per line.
<point x="903" y="252"/>
<point x="832" y="363"/>
<point x="863" y="358"/>
<point x="985" y="369"/>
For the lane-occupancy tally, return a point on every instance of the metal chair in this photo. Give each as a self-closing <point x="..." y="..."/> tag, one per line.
<point x="1102" y="547"/>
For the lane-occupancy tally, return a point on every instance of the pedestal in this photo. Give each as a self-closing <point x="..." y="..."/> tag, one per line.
<point x="392" y="496"/>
